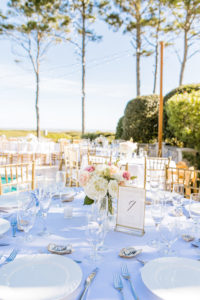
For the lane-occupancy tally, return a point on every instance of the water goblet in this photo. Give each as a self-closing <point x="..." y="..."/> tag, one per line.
<point x="45" y="202"/>
<point x="178" y="196"/>
<point x="157" y="213"/>
<point x="60" y="183"/>
<point x="194" y="211"/>
<point x="170" y="233"/>
<point x="26" y="214"/>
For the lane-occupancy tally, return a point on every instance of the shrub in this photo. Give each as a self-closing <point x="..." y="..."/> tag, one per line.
<point x="193" y="159"/>
<point x="141" y="119"/>
<point x="93" y="135"/>
<point x="189" y="88"/>
<point x="183" y="111"/>
<point x="119" y="129"/>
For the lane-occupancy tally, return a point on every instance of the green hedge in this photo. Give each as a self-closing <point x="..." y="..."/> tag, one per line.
<point x="119" y="129"/>
<point x="141" y="119"/>
<point x="188" y="88"/>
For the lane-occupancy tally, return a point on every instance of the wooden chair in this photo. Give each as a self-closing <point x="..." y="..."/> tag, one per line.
<point x="97" y="159"/>
<point x="189" y="177"/>
<point x="4" y="158"/>
<point x="21" y="175"/>
<point x="157" y="167"/>
<point x="72" y="166"/>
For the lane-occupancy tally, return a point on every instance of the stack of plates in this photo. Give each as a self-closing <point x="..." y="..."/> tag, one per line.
<point x="39" y="277"/>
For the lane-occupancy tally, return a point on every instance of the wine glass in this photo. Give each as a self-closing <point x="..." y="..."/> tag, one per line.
<point x="45" y="202"/>
<point x="170" y="233"/>
<point x="26" y="213"/>
<point x="60" y="183"/>
<point x="157" y="213"/>
<point x="178" y="196"/>
<point x="194" y="211"/>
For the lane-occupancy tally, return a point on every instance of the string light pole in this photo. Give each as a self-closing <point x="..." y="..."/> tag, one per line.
<point x="160" y="117"/>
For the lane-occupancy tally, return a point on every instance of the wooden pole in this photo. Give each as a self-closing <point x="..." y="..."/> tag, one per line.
<point x="160" y="118"/>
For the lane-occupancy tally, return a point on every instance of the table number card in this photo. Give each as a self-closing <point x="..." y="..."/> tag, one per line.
<point x="131" y="210"/>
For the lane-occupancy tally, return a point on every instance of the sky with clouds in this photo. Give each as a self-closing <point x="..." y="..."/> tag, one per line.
<point x="110" y="83"/>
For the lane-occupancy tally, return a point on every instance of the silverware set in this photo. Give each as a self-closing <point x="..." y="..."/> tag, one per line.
<point x="118" y="285"/>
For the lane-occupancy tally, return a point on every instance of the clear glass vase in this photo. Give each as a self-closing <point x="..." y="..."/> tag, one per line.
<point x="96" y="230"/>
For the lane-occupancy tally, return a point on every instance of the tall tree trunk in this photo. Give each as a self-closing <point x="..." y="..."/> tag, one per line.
<point x="83" y="69"/>
<point x="37" y="104"/>
<point x="138" y="46"/>
<point x="156" y="68"/>
<point x="156" y="50"/>
<point x="185" y="53"/>
<point x="138" y="67"/>
<point x="37" y="72"/>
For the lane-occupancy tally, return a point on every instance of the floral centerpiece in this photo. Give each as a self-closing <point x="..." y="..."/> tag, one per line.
<point x="100" y="181"/>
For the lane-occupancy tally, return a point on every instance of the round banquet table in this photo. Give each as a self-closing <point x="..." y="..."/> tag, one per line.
<point x="72" y="230"/>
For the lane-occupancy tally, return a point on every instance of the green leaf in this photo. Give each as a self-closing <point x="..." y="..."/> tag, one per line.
<point x="88" y="201"/>
<point x="133" y="177"/>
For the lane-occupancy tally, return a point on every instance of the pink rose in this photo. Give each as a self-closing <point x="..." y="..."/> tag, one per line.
<point x="84" y="178"/>
<point x="90" y="169"/>
<point x="126" y="175"/>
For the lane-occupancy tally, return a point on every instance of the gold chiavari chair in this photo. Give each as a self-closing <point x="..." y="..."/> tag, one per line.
<point x="4" y="158"/>
<point x="190" y="178"/>
<point x="41" y="159"/>
<point x="72" y="169"/>
<point x="97" y="159"/>
<point x="157" y="167"/>
<point x="92" y="151"/>
<point x="20" y="175"/>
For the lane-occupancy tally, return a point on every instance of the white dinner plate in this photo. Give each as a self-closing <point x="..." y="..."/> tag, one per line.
<point x="8" y="201"/>
<point x="65" y="195"/>
<point x="173" y="278"/>
<point x="4" y="226"/>
<point x="39" y="277"/>
<point x="194" y="207"/>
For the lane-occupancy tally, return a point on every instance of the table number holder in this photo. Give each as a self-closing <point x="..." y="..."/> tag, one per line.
<point x="131" y="210"/>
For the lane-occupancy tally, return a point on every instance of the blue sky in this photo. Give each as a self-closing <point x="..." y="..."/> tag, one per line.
<point x="110" y="83"/>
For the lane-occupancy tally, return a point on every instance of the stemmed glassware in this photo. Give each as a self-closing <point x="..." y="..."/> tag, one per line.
<point x="60" y="184"/>
<point x="178" y="196"/>
<point x="26" y="213"/>
<point x="170" y="233"/>
<point x="194" y="210"/>
<point x="45" y="202"/>
<point x="157" y="213"/>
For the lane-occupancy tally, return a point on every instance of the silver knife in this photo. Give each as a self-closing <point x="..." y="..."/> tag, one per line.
<point x="88" y="281"/>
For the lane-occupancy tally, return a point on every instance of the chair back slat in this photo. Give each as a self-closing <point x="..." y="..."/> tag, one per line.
<point x="12" y="175"/>
<point x="190" y="178"/>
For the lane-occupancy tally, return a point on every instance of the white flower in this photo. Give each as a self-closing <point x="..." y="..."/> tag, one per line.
<point x="96" y="188"/>
<point x="118" y="176"/>
<point x="113" y="188"/>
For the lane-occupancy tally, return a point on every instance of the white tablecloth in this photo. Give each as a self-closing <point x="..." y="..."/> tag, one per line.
<point x="64" y="231"/>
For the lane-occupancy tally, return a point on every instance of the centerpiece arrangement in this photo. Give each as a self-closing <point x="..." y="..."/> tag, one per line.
<point x="102" y="181"/>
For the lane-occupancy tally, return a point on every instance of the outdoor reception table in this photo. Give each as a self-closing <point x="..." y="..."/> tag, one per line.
<point x="72" y="230"/>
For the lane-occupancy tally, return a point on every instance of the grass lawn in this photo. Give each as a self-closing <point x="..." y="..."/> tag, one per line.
<point x="55" y="136"/>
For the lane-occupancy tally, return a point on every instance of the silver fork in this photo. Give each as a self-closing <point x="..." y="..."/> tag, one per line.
<point x="126" y="275"/>
<point x="11" y="257"/>
<point x="118" y="284"/>
<point x="141" y="261"/>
